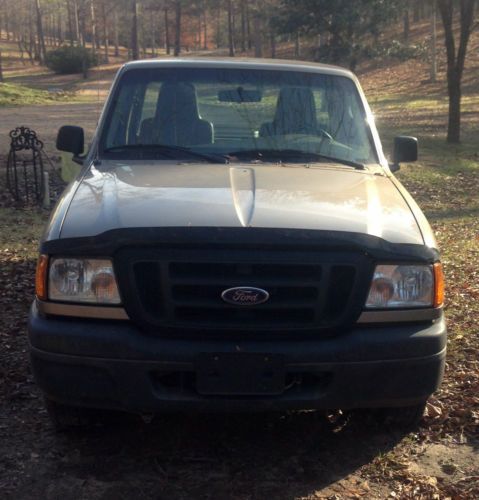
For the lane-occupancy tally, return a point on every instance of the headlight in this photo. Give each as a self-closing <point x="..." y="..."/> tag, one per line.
<point x="402" y="287"/>
<point x="83" y="280"/>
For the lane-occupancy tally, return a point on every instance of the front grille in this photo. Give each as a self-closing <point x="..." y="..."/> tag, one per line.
<point x="180" y="288"/>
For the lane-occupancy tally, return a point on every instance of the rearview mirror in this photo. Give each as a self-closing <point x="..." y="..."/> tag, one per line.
<point x="239" y="95"/>
<point x="71" y="139"/>
<point x="405" y="150"/>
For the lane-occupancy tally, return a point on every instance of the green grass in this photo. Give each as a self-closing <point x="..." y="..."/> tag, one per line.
<point x="12" y="94"/>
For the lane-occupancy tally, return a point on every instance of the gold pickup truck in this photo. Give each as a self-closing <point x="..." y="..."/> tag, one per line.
<point x="236" y="240"/>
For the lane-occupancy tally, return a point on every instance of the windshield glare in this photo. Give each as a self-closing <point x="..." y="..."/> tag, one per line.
<point x="230" y="111"/>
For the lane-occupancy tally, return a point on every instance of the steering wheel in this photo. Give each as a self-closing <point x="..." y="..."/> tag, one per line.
<point x="319" y="134"/>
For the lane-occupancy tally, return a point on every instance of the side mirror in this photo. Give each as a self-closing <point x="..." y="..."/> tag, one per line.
<point x="71" y="139"/>
<point x="405" y="150"/>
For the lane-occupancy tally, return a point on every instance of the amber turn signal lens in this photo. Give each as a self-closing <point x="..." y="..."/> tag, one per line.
<point x="438" y="285"/>
<point x="104" y="287"/>
<point x="41" y="277"/>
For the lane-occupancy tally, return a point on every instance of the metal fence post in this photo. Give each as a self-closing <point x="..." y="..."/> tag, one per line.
<point x="46" y="190"/>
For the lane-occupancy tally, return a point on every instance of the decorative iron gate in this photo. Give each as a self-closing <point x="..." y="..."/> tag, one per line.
<point x="25" y="165"/>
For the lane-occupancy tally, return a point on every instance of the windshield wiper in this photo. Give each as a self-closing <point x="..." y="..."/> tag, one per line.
<point x="168" y="150"/>
<point x="289" y="154"/>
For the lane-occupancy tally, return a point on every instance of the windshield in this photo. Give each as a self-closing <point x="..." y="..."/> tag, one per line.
<point x="243" y="114"/>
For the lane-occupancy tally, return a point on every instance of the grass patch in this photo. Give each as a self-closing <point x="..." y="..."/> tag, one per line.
<point x="20" y="231"/>
<point x="11" y="94"/>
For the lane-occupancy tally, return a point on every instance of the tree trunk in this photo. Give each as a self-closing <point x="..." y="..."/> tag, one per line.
<point x="94" y="41"/>
<point x="416" y="12"/>
<point x="70" y="22"/>
<point x="433" y="42"/>
<point x="21" y="49"/>
<point x="167" y="33"/>
<point x="116" y="37"/>
<point x="243" y="26"/>
<point x="105" y="32"/>
<point x="205" y="27"/>
<point x="199" y="31"/>
<point x="273" y="44"/>
<point x="231" y="43"/>
<point x="60" y="30"/>
<point x="455" y="61"/>
<point x="248" y="26"/>
<point x="32" y="44"/>
<point x="218" y="26"/>
<point x="41" y="38"/>
<point x="258" y="39"/>
<point x="407" y="25"/>
<point x="79" y="32"/>
<point x="297" y="45"/>
<point x="454" y="122"/>
<point x="177" y="28"/>
<point x="135" y="47"/>
<point x="153" y="34"/>
<point x="1" y="68"/>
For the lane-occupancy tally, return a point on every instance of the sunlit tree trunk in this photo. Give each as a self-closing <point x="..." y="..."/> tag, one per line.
<point x="41" y="37"/>
<point x="78" y="32"/>
<point x="94" y="41"/>
<point x="105" y="32"/>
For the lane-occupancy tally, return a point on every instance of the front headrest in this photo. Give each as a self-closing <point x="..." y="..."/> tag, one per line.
<point x="296" y="105"/>
<point x="177" y="99"/>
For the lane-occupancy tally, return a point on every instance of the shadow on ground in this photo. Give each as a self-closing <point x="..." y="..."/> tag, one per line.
<point x="204" y="456"/>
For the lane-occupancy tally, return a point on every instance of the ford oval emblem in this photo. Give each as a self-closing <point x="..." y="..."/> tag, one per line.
<point x="245" y="296"/>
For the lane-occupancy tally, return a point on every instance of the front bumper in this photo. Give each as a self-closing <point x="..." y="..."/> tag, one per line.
<point x="113" y="365"/>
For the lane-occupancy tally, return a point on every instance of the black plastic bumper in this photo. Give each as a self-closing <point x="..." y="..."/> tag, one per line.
<point x="113" y="365"/>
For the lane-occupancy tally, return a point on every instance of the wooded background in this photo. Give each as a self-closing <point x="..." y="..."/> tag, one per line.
<point x="342" y="31"/>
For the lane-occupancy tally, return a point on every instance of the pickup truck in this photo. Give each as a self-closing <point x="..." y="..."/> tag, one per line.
<point x="236" y="240"/>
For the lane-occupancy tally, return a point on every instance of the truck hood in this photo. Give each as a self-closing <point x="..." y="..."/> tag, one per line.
<point x="164" y="194"/>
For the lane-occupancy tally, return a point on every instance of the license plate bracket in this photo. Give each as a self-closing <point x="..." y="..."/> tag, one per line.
<point x="240" y="374"/>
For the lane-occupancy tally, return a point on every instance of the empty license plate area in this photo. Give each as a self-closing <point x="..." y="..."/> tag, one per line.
<point x="240" y="374"/>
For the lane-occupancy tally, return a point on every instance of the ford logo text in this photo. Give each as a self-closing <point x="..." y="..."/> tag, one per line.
<point x="245" y="296"/>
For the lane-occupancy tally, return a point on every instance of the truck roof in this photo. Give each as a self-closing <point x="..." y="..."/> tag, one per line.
<point x="241" y="63"/>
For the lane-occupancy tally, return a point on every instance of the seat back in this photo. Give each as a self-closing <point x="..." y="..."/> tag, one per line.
<point x="177" y="121"/>
<point x="295" y="113"/>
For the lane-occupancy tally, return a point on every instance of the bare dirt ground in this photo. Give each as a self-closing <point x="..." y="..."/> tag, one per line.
<point x="299" y="455"/>
<point x="46" y="120"/>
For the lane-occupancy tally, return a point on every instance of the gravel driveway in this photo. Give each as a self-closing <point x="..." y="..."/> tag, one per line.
<point x="46" y="120"/>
